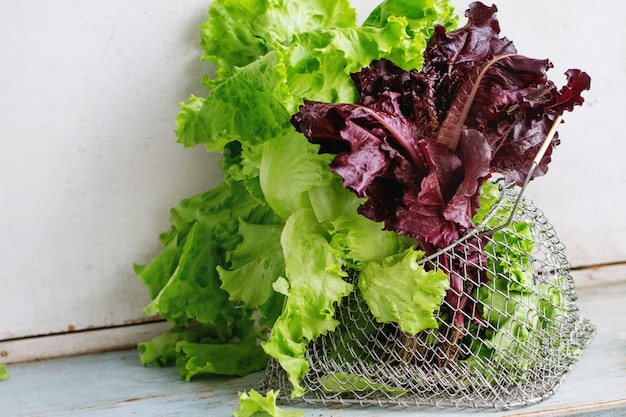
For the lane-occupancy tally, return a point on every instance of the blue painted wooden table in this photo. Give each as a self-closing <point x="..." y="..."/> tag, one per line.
<point x="116" y="384"/>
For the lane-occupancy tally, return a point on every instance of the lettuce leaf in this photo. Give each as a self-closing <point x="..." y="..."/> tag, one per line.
<point x="312" y="286"/>
<point x="254" y="404"/>
<point x="233" y="359"/>
<point x="400" y="291"/>
<point x="517" y="311"/>
<point x="332" y="200"/>
<point x="207" y="228"/>
<point x="161" y="350"/>
<point x="4" y="374"/>
<point x="254" y="265"/>
<point x="521" y="321"/>
<point x="419" y="16"/>
<point x="290" y="167"/>
<point x="199" y="348"/>
<point x="360" y="241"/>
<point x="239" y="32"/>
<point x="210" y="233"/>
<point x="511" y="247"/>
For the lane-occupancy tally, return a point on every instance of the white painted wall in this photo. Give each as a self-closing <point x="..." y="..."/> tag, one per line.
<point x="89" y="165"/>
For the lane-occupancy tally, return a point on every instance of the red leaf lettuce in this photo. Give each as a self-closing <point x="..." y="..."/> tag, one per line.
<point x="420" y="144"/>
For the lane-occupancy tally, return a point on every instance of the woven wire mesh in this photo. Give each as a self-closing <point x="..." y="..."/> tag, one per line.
<point x="508" y="342"/>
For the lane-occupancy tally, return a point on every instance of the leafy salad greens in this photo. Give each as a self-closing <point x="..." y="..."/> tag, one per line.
<point x="419" y="145"/>
<point x="392" y="170"/>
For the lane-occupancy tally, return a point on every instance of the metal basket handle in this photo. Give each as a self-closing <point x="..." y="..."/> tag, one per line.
<point x="535" y="163"/>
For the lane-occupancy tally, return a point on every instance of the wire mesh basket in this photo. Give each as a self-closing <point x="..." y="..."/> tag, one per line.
<point x="508" y="329"/>
<point x="507" y="344"/>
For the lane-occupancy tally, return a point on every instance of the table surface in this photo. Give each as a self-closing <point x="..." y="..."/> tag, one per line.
<point x="116" y="384"/>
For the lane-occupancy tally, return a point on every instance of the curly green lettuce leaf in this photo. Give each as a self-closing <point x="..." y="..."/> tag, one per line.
<point x="400" y="291"/>
<point x="238" y="32"/>
<point x="520" y="324"/>
<point x="248" y="109"/>
<point x="186" y="118"/>
<point x="320" y="63"/>
<point x="290" y="167"/>
<point x="510" y="248"/>
<point x="312" y="286"/>
<point x="158" y="272"/>
<point x="489" y="211"/>
<point x="4" y="374"/>
<point x="254" y="404"/>
<point x="193" y="290"/>
<point x="217" y="349"/>
<point x="255" y="104"/>
<point x="161" y="350"/>
<point x="360" y="241"/>
<point x="521" y="314"/>
<point x="184" y="280"/>
<point x="513" y="255"/>
<point x="332" y="200"/>
<point x="255" y="264"/>
<point x="420" y="16"/>
<point x="232" y="359"/>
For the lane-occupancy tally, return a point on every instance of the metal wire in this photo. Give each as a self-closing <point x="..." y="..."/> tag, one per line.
<point x="501" y="357"/>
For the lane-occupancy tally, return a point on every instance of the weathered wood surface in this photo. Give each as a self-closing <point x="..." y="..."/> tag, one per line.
<point x="116" y="384"/>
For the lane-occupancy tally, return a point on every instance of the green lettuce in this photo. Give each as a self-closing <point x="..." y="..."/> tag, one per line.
<point x="205" y="349"/>
<point x="401" y="291"/>
<point x="4" y="374"/>
<point x="511" y="247"/>
<point x="255" y="267"/>
<point x="417" y="16"/>
<point x="290" y="168"/>
<point x="254" y="404"/>
<point x="360" y="241"/>
<point x="210" y="233"/>
<point x="254" y="105"/>
<point x="183" y="279"/>
<point x="238" y="32"/>
<point x="522" y="314"/>
<point x="520" y="324"/>
<point x="312" y="286"/>
<point x="161" y="350"/>
<point x="203" y="358"/>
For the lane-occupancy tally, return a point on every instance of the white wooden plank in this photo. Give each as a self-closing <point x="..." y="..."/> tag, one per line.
<point x="600" y="275"/>
<point x="78" y="343"/>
